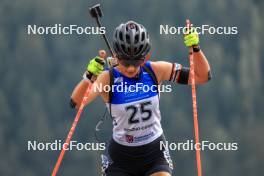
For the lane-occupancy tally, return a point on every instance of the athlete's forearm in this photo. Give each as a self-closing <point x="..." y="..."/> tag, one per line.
<point x="78" y="93"/>
<point x="94" y="89"/>
<point x="201" y="68"/>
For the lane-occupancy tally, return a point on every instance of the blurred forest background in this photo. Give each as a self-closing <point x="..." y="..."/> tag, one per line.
<point x="39" y="72"/>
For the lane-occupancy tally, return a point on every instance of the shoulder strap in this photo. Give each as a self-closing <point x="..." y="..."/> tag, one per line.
<point x="152" y="74"/>
<point x="111" y="83"/>
<point x="111" y="75"/>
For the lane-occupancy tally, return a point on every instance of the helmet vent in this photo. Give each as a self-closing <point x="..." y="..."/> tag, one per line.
<point x="137" y="28"/>
<point x="123" y="47"/>
<point x="140" y="49"/>
<point x="117" y="47"/>
<point x="128" y="39"/>
<point x="135" y="50"/>
<point x="136" y="38"/>
<point x="143" y="36"/>
<point x="121" y="36"/>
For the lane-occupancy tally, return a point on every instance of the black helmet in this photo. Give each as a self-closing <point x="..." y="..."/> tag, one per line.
<point x="131" y="41"/>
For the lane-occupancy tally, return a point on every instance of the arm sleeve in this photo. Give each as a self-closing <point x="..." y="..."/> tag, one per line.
<point x="179" y="74"/>
<point x="184" y="75"/>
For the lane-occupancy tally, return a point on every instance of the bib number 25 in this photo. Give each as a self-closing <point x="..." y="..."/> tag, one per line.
<point x="143" y="109"/>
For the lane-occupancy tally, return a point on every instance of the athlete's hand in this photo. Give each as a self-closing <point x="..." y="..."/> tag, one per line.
<point x="96" y="65"/>
<point x="191" y="38"/>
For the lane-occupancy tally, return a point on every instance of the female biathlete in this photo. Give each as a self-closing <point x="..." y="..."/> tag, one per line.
<point x="134" y="149"/>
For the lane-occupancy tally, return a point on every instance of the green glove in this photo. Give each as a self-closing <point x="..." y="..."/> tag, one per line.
<point x="192" y="38"/>
<point x="96" y="65"/>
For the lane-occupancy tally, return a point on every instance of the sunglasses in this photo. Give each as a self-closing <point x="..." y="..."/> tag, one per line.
<point x="127" y="63"/>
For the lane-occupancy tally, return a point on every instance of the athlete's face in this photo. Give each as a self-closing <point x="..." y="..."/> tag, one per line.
<point x="130" y="70"/>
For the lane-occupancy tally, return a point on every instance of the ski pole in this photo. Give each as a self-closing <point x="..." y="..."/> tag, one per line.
<point x="102" y="54"/>
<point x="69" y="136"/>
<point x="194" y="102"/>
<point x="96" y="12"/>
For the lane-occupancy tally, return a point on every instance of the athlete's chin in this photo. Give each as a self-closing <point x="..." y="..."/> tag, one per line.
<point x="131" y="74"/>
